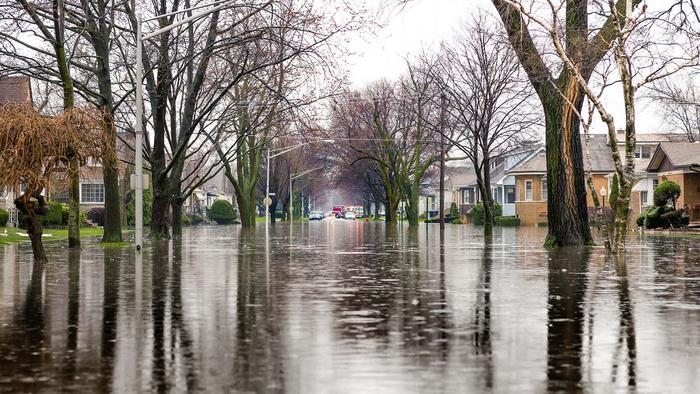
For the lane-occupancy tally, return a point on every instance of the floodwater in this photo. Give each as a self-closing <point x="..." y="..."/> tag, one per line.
<point x="341" y="307"/>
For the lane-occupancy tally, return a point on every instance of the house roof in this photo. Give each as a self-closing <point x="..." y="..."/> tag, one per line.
<point x="461" y="176"/>
<point x="679" y="154"/>
<point x="644" y="138"/>
<point x="601" y="161"/>
<point x="16" y="90"/>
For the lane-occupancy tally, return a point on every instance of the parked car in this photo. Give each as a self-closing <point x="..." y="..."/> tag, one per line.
<point x="350" y="215"/>
<point x="340" y="215"/>
<point x="316" y="215"/>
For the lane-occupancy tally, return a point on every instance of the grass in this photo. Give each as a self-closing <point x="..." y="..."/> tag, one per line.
<point x="51" y="235"/>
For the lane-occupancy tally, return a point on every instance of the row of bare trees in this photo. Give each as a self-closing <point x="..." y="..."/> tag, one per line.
<point x="644" y="43"/>
<point x="217" y="90"/>
<point x="469" y="97"/>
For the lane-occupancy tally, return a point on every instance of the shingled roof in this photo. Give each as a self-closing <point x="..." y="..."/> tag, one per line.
<point x="601" y="161"/>
<point x="678" y="154"/>
<point x="15" y="90"/>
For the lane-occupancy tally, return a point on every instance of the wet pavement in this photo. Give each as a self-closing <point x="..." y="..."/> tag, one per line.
<point x="340" y="307"/>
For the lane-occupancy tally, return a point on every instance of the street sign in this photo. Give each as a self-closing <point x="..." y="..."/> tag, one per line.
<point x="267" y="201"/>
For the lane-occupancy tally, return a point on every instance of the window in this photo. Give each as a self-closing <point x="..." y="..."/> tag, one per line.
<point x="510" y="194"/>
<point x="644" y="198"/>
<point x="544" y="190"/>
<point x="528" y="190"/>
<point x="642" y="152"/>
<point x="655" y="183"/>
<point x="92" y="193"/>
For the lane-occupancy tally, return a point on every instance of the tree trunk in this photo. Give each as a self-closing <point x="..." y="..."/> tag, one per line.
<point x="159" y="213"/>
<point x="567" y="211"/>
<point x="392" y="208"/>
<point x="74" y="203"/>
<point x="412" y="209"/>
<point x="110" y="176"/>
<point x="176" y="206"/>
<point x="34" y="228"/>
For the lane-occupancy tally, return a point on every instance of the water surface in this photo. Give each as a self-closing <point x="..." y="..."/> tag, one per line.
<point x="340" y="307"/>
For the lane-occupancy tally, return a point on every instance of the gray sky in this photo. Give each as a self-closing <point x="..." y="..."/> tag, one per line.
<point x="423" y="24"/>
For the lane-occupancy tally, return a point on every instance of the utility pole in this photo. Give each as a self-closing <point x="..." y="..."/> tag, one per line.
<point x="443" y="115"/>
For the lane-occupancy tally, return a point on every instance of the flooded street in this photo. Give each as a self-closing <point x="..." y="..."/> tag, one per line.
<point x="340" y="307"/>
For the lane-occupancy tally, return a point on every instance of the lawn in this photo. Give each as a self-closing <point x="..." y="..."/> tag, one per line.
<point x="12" y="235"/>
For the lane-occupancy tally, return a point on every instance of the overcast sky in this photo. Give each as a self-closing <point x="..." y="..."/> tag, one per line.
<point x="423" y="24"/>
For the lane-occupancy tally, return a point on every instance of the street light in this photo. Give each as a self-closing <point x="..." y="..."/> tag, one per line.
<point x="277" y="152"/>
<point x="603" y="193"/>
<point x="140" y="37"/>
<point x="292" y="177"/>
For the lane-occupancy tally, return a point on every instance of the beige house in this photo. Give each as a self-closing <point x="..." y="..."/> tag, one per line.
<point x="531" y="181"/>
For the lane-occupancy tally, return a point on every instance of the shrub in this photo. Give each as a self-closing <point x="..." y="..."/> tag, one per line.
<point x="509" y="221"/>
<point x="186" y="220"/>
<point x="641" y="218"/>
<point x="222" y="212"/>
<point x="197" y="219"/>
<point x="4" y="217"/>
<point x="614" y="191"/>
<point x="477" y="213"/>
<point x="454" y="210"/>
<point x="147" y="208"/>
<point x="667" y="192"/>
<point x="54" y="217"/>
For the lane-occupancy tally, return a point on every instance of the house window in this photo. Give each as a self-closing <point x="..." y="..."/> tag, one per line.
<point x="644" y="197"/>
<point x="544" y="190"/>
<point x="92" y="193"/>
<point x="510" y="194"/>
<point x="642" y="152"/>
<point x="655" y="183"/>
<point x="528" y="190"/>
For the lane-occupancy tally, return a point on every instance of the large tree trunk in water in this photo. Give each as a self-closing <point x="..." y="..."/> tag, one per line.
<point x="73" y="203"/>
<point x="112" y="216"/>
<point x="246" y="209"/>
<point x="567" y="211"/>
<point x="412" y="209"/>
<point x="159" y="213"/>
<point x="176" y="206"/>
<point x="391" y="209"/>
<point x="34" y="228"/>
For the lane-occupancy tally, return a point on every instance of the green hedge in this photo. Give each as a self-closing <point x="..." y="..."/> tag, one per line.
<point x="147" y="208"/>
<point x="477" y="213"/>
<point x="4" y="217"/>
<point x="508" y="221"/>
<point x="222" y="212"/>
<point x="667" y="193"/>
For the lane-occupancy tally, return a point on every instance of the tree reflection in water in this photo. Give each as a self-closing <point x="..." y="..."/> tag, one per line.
<point x="566" y="301"/>
<point x="482" y="313"/>
<point x="259" y="363"/>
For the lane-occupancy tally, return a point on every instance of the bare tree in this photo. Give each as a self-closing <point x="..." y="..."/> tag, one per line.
<point x="642" y="56"/>
<point x="488" y="101"/>
<point x="680" y="105"/>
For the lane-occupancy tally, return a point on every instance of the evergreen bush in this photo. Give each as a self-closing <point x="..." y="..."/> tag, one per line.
<point x="222" y="212"/>
<point x="508" y="221"/>
<point x="477" y="213"/>
<point x="667" y="192"/>
<point x="4" y="217"/>
<point x="147" y="208"/>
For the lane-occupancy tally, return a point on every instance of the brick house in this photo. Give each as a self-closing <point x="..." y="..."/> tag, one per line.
<point x="18" y="89"/>
<point x="531" y="181"/>
<point x="680" y="162"/>
<point x="13" y="90"/>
